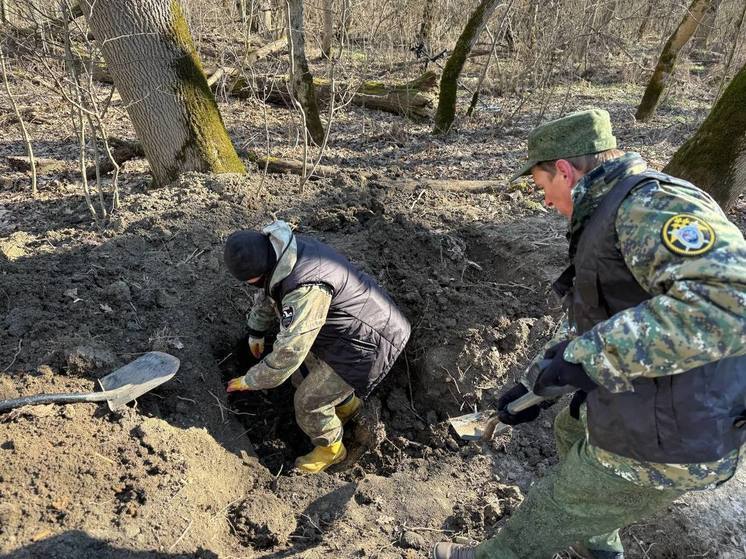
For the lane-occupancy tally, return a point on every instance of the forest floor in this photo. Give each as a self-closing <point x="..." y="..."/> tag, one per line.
<point x="187" y="472"/>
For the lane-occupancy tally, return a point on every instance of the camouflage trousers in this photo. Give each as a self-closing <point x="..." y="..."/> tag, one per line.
<point x="578" y="501"/>
<point x="316" y="396"/>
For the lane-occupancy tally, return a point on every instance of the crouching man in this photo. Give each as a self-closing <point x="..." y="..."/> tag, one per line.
<point x="334" y="319"/>
<point x="656" y="301"/>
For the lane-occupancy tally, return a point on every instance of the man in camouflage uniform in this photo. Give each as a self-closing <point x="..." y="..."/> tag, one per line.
<point x="654" y="345"/>
<point x="336" y="324"/>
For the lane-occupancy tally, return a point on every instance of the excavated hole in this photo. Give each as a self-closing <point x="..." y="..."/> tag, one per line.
<point x="391" y="432"/>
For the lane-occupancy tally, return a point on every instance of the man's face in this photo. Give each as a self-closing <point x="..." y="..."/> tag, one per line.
<point x="558" y="187"/>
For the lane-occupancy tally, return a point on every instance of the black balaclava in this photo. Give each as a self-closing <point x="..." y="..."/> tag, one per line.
<point x="249" y="254"/>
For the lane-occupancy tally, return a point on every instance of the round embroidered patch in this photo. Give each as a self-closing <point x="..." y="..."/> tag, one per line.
<point x="688" y="235"/>
<point x="288" y="313"/>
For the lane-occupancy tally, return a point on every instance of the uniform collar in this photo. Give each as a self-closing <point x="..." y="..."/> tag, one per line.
<point x="286" y="249"/>
<point x="589" y="190"/>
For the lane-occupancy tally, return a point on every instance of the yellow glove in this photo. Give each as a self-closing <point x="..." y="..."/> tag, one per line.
<point x="256" y="346"/>
<point x="237" y="384"/>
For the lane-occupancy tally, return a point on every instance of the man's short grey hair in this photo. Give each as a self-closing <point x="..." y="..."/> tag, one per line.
<point x="583" y="163"/>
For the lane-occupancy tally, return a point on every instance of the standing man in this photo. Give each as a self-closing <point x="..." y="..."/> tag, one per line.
<point x="334" y="319"/>
<point x="656" y="337"/>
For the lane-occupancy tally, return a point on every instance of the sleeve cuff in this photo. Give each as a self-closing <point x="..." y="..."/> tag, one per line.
<point x="585" y="351"/>
<point x="255" y="333"/>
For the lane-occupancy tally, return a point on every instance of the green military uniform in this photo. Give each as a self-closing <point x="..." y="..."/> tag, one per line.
<point x="322" y="389"/>
<point x="696" y="315"/>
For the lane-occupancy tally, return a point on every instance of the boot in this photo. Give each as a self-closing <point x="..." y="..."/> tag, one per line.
<point x="445" y="550"/>
<point x="321" y="457"/>
<point x="349" y="409"/>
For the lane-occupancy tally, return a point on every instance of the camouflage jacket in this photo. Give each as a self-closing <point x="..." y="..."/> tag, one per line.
<point x="309" y="305"/>
<point x="697" y="313"/>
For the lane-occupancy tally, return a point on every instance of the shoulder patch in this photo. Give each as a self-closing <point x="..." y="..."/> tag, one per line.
<point x="688" y="235"/>
<point x="288" y="313"/>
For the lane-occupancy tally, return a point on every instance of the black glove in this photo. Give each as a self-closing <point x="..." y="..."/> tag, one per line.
<point x="529" y="414"/>
<point x="562" y="373"/>
<point x="577" y="400"/>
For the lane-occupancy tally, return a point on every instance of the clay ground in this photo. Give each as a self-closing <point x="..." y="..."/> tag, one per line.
<point x="176" y="475"/>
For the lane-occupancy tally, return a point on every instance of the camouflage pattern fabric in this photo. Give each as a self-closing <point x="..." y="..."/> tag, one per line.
<point x="709" y="287"/>
<point x="263" y="315"/>
<point x="579" y="500"/>
<point x="697" y="314"/>
<point x="302" y="314"/>
<point x="315" y="399"/>
<point x="698" y="311"/>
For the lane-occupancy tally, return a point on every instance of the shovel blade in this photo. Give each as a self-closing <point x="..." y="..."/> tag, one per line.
<point x="138" y="377"/>
<point x="477" y="426"/>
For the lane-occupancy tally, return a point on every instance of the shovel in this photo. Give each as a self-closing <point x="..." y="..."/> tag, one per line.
<point x="118" y="388"/>
<point x="484" y="425"/>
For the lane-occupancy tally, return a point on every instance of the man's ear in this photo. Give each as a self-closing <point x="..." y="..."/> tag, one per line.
<point x="566" y="170"/>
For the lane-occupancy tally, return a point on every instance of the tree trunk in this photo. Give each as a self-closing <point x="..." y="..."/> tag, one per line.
<point x="300" y="76"/>
<point x="346" y="23"/>
<point x="149" y="52"/>
<point x="645" y="20"/>
<point x="422" y="46"/>
<point x="607" y="14"/>
<point x="699" y="42"/>
<point x="328" y="33"/>
<point x="715" y="157"/>
<point x="449" y="80"/>
<point x="265" y="19"/>
<point x="667" y="61"/>
<point x="732" y="51"/>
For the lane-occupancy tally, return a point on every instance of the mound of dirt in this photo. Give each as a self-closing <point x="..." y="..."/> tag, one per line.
<point x="262" y="521"/>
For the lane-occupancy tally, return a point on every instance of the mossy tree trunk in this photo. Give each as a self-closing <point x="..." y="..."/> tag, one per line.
<point x="328" y="32"/>
<point x="704" y="29"/>
<point x="664" y="69"/>
<point x="449" y="80"/>
<point x="149" y="51"/>
<point x="300" y="76"/>
<point x="715" y="157"/>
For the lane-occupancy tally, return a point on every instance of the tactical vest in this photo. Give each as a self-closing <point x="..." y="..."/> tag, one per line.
<point x="690" y="417"/>
<point x="364" y="331"/>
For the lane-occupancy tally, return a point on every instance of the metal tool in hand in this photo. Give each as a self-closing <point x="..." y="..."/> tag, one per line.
<point x="118" y="388"/>
<point x="484" y="425"/>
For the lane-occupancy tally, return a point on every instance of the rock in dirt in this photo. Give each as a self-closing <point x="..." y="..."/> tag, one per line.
<point x="263" y="522"/>
<point x="14" y="247"/>
<point x="119" y="291"/>
<point x="412" y="540"/>
<point x="85" y="359"/>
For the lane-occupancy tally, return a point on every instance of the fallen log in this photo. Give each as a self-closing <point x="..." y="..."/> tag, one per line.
<point x="43" y="164"/>
<point x="414" y="99"/>
<point x="443" y="185"/>
<point x="277" y="165"/>
<point x="121" y="150"/>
